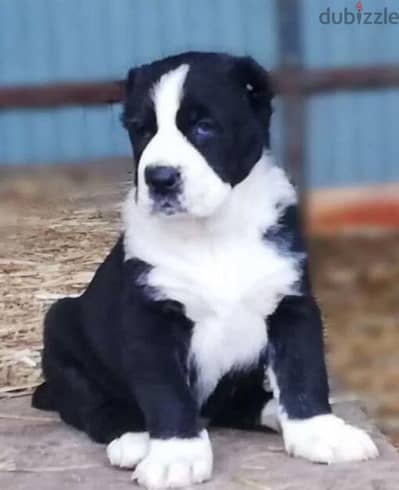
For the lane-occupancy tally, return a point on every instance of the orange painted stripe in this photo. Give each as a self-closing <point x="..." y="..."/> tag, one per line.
<point x="338" y="215"/>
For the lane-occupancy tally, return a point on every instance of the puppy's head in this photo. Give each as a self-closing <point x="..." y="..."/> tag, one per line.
<point x="198" y="122"/>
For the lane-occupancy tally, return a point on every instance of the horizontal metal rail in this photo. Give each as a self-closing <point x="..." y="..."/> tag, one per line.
<point x="62" y="94"/>
<point x="286" y="82"/>
<point x="307" y="81"/>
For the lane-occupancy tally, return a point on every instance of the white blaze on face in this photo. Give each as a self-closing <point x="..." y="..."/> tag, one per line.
<point x="202" y="190"/>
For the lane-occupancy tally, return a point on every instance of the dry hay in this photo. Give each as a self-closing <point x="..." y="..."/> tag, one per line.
<point x="357" y="281"/>
<point x="55" y="231"/>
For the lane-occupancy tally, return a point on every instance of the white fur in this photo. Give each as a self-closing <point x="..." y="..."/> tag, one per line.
<point x="321" y="439"/>
<point x="271" y="375"/>
<point x="202" y="190"/>
<point x="221" y="269"/>
<point x="269" y="416"/>
<point x="126" y="451"/>
<point x="327" y="439"/>
<point x="173" y="463"/>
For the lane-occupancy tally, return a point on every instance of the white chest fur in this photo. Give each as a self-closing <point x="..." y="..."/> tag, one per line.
<point x="228" y="278"/>
<point x="228" y="286"/>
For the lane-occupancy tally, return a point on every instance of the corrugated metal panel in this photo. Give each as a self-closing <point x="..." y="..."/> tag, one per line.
<point x="50" y="40"/>
<point x="343" y="44"/>
<point x="58" y="40"/>
<point x="352" y="135"/>
<point x="352" y="138"/>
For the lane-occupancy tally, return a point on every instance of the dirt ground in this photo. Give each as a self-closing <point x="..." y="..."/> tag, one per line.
<point x="57" y="225"/>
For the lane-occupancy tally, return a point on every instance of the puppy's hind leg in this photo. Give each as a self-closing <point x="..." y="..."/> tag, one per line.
<point x="114" y="423"/>
<point x="119" y="425"/>
<point x="239" y="400"/>
<point x="71" y="388"/>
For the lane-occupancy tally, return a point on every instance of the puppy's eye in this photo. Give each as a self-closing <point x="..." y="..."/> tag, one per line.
<point x="205" y="127"/>
<point x="139" y="127"/>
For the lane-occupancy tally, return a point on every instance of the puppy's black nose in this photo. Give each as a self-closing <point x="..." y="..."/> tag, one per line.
<point x="162" y="179"/>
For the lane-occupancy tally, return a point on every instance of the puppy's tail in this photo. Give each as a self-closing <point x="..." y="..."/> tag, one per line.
<point x="43" y="398"/>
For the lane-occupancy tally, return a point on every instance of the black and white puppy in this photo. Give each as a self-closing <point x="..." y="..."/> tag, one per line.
<point x="205" y="296"/>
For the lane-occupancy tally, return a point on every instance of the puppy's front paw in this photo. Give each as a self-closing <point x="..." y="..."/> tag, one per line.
<point x="126" y="451"/>
<point x="173" y="463"/>
<point x="327" y="439"/>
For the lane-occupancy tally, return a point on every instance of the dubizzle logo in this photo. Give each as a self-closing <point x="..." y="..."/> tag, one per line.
<point x="359" y="17"/>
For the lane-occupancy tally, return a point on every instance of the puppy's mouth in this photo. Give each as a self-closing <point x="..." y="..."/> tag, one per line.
<point x="167" y="205"/>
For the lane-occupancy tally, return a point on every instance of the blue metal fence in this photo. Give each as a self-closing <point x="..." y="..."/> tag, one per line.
<point x="352" y="137"/>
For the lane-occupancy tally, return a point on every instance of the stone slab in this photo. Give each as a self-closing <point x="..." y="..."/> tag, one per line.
<point x="38" y="452"/>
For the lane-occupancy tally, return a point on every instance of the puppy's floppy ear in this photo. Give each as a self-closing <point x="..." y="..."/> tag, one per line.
<point x="128" y="85"/>
<point x="255" y="80"/>
<point x="130" y="79"/>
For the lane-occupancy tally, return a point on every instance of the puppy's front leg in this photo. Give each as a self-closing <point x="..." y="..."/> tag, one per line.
<point x="299" y="379"/>
<point x="179" y="452"/>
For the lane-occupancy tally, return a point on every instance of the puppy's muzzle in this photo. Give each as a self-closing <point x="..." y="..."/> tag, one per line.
<point x="165" y="187"/>
<point x="162" y="180"/>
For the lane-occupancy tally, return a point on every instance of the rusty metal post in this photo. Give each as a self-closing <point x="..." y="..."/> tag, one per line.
<point x="293" y="105"/>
